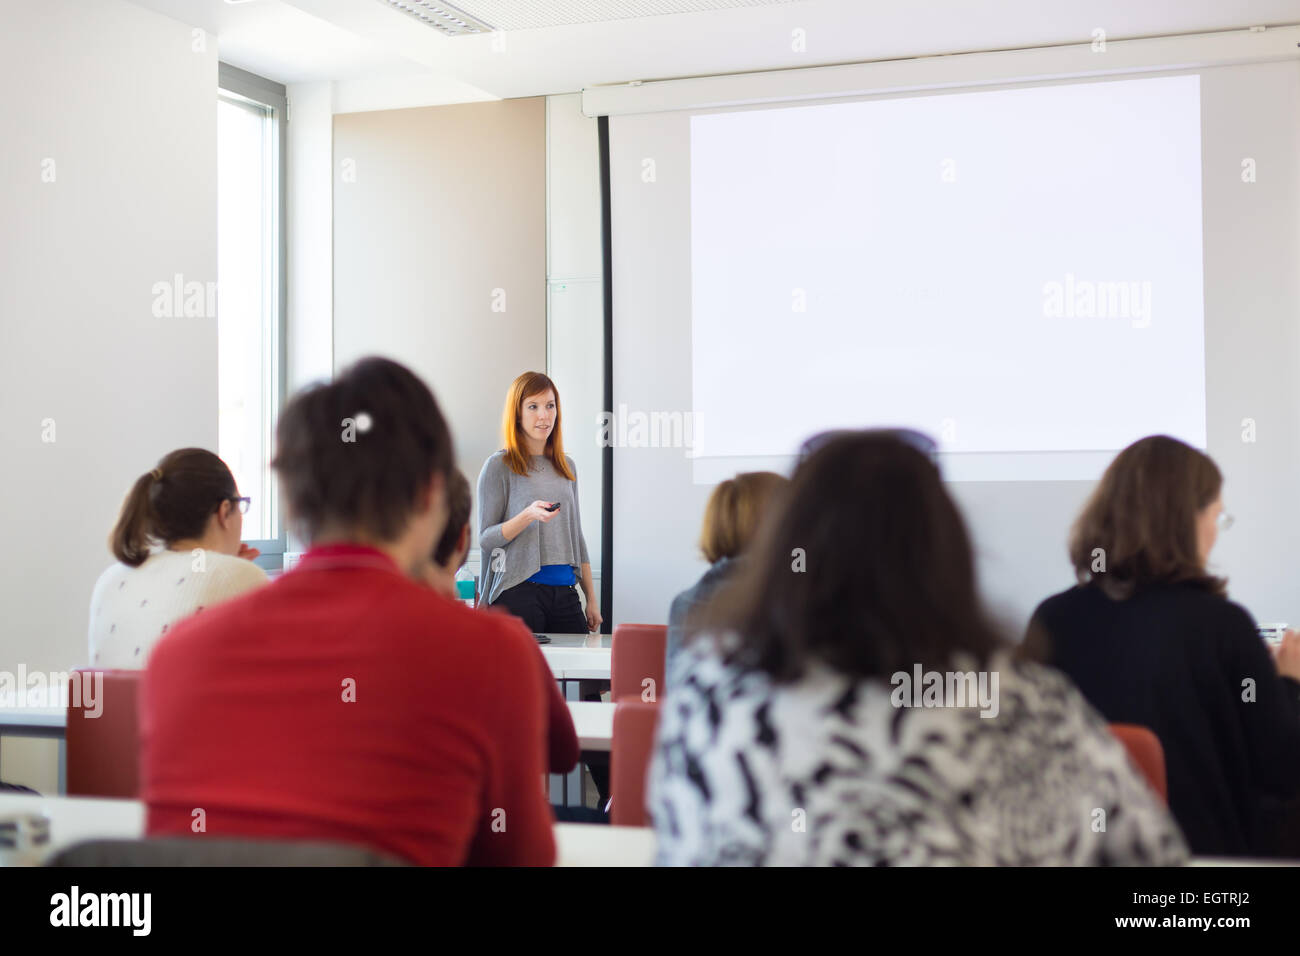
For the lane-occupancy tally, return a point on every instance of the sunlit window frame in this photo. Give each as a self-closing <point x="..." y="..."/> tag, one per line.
<point x="263" y="92"/>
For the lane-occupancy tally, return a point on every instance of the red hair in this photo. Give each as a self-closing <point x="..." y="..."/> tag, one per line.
<point x="531" y="383"/>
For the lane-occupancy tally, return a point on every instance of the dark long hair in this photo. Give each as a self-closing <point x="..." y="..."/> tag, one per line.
<point x="866" y="568"/>
<point x="1141" y="519"/>
<point x="171" y="503"/>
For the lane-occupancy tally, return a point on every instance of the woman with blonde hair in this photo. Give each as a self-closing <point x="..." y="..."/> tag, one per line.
<point x="533" y="553"/>
<point x="730" y="520"/>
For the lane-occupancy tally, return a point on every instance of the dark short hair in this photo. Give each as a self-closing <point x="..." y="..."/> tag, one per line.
<point x="356" y="453"/>
<point x="1141" y="519"/>
<point x="865" y="567"/>
<point x="459" y="504"/>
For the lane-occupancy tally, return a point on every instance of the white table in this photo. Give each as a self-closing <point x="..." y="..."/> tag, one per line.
<point x="588" y="844"/>
<point x="32" y="721"/>
<point x="575" y="657"/>
<point x="74" y="819"/>
<point x="594" y="723"/>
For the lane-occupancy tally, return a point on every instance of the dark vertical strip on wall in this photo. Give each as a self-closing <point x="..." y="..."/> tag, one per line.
<point x="607" y="453"/>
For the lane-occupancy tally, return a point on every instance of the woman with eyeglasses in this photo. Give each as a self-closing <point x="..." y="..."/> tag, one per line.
<point x="177" y="543"/>
<point x="1150" y="638"/>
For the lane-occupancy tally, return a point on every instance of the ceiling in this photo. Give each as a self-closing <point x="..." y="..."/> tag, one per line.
<point x="513" y="15"/>
<point x="367" y="45"/>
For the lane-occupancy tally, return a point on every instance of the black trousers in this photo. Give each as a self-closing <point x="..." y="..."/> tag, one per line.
<point x="545" y="608"/>
<point x="556" y="609"/>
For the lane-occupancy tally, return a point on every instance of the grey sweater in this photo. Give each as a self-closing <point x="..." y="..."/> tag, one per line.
<point x="502" y="494"/>
<point x="697" y="595"/>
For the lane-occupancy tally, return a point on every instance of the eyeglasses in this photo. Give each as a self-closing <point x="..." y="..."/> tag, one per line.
<point x="1224" y="521"/>
<point x="241" y="503"/>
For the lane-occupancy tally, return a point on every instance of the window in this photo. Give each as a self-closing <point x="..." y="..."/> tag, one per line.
<point x="251" y="293"/>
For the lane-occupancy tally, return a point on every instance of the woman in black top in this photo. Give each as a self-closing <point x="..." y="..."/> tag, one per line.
<point x="1150" y="638"/>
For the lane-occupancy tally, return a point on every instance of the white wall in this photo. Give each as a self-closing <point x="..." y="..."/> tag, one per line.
<point x="574" y="286"/>
<point x="123" y="102"/>
<point x="575" y="296"/>
<point x="657" y="508"/>
<point x="447" y="204"/>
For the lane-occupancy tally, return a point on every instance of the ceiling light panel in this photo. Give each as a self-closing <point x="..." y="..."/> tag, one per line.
<point x="514" y="15"/>
<point x="443" y="17"/>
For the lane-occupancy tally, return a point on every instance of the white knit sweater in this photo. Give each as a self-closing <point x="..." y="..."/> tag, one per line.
<point x="131" y="608"/>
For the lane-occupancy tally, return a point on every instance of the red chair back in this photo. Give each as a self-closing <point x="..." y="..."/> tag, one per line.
<point x="103" y="741"/>
<point x="1144" y="750"/>
<point x="637" y="655"/>
<point x="629" y="759"/>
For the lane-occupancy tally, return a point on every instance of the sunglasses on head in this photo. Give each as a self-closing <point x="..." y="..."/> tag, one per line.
<point x="908" y="436"/>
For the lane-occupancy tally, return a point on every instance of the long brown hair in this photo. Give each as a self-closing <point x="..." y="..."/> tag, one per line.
<point x="1139" y="527"/>
<point x="531" y="383"/>
<point x="865" y="567"/>
<point x="171" y="503"/>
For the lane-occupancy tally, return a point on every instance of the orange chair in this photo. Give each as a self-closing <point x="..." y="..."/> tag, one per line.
<point x="634" y="737"/>
<point x="103" y="751"/>
<point x="637" y="654"/>
<point x="1145" y="751"/>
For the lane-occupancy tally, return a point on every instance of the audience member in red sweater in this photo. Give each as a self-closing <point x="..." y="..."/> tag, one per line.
<point x="346" y="701"/>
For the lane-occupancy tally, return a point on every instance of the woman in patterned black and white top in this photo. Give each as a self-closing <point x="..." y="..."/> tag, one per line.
<point x="805" y="725"/>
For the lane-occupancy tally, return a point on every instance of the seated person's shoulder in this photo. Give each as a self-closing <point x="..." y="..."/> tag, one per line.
<point x="234" y="573"/>
<point x="500" y="628"/>
<point x="1233" y="623"/>
<point x="474" y="633"/>
<point x="681" y="603"/>
<point x="112" y="576"/>
<point x="705" y="586"/>
<point x="700" y="667"/>
<point x="1030" y="694"/>
<point x="1064" y="602"/>
<point x="1210" y="613"/>
<point x="1035" y="679"/>
<point x="1228" y="612"/>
